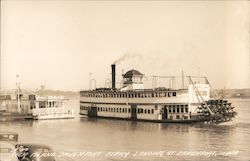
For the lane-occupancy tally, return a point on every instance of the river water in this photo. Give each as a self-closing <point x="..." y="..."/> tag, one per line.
<point x="85" y="138"/>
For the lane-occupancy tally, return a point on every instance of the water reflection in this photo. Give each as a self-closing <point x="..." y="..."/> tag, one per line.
<point x="136" y="125"/>
<point x="120" y="135"/>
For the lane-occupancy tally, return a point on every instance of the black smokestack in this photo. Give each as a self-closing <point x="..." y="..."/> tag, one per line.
<point x="113" y="75"/>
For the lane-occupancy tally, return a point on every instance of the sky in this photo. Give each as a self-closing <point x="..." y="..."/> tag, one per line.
<point x="58" y="43"/>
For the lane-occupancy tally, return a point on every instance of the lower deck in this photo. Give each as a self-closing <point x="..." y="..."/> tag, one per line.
<point x="170" y="112"/>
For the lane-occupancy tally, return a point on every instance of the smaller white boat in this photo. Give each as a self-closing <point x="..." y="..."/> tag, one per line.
<point x="51" y="107"/>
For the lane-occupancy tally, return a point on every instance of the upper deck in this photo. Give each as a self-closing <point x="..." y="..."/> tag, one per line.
<point x="147" y="96"/>
<point x="145" y="93"/>
<point x="132" y="90"/>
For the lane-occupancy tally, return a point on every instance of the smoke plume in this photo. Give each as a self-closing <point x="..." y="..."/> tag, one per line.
<point x="126" y="57"/>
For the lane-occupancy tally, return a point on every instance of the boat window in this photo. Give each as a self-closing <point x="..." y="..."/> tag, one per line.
<point x="42" y="104"/>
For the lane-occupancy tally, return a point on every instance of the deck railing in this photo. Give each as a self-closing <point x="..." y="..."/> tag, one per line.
<point x="51" y="111"/>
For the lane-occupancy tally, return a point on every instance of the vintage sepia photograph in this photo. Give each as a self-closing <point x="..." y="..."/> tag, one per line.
<point x="125" y="80"/>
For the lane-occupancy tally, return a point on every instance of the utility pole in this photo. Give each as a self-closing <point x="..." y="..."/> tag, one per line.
<point x="18" y="94"/>
<point x="90" y="81"/>
<point x="182" y="78"/>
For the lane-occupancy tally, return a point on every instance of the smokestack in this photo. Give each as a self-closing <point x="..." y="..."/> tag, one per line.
<point x="113" y="75"/>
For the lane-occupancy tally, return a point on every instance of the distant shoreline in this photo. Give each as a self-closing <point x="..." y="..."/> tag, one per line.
<point x="224" y="93"/>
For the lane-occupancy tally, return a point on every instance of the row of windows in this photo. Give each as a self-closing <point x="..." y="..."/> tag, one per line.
<point x="84" y="108"/>
<point x="171" y="109"/>
<point x="120" y="110"/>
<point x="169" y="106"/>
<point x="129" y="95"/>
<point x="44" y="104"/>
<point x="178" y="110"/>
<point x="146" y="111"/>
<point x="109" y="109"/>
